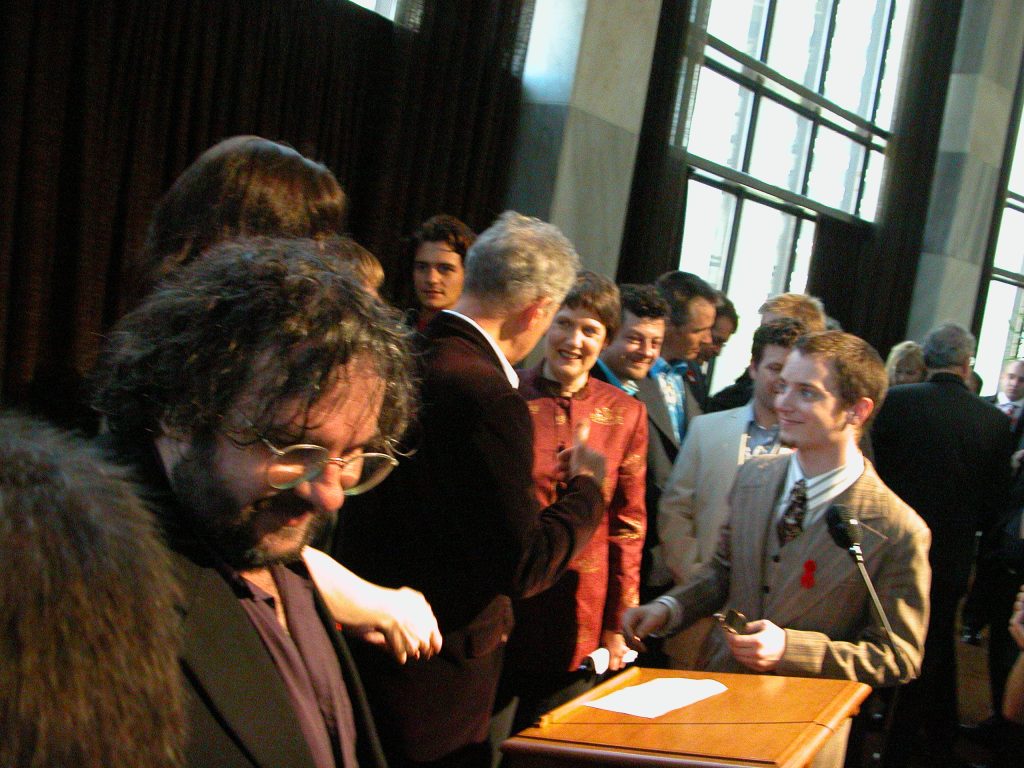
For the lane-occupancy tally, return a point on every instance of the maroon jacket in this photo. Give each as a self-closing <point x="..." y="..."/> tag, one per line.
<point x="556" y="629"/>
<point x="460" y="522"/>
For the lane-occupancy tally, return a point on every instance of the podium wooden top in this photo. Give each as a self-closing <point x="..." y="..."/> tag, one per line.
<point x="761" y="720"/>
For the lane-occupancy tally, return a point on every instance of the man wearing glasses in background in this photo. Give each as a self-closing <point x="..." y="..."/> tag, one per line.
<point x="252" y="394"/>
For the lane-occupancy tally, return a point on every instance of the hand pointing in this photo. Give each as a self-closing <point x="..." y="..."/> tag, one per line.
<point x="580" y="459"/>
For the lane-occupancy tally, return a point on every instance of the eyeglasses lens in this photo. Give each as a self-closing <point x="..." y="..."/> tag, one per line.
<point x="299" y="464"/>
<point x="372" y="469"/>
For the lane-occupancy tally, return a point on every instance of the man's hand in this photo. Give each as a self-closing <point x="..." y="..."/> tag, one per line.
<point x="1017" y="620"/>
<point x="399" y="619"/>
<point x="640" y="621"/>
<point x="581" y="460"/>
<point x="404" y="624"/>
<point x="613" y="640"/>
<point x="1015" y="459"/>
<point x="761" y="647"/>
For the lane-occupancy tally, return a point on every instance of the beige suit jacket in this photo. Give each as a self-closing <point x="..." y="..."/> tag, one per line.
<point x="695" y="502"/>
<point x="830" y="628"/>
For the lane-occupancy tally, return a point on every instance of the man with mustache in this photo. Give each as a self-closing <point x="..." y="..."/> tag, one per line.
<point x="252" y="393"/>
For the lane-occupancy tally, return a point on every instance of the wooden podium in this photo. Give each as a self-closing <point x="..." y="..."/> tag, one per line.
<point x="761" y="720"/>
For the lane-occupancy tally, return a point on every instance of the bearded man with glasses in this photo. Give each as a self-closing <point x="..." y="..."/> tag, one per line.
<point x="252" y="393"/>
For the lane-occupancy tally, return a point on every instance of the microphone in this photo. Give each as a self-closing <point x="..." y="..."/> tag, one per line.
<point x="846" y="532"/>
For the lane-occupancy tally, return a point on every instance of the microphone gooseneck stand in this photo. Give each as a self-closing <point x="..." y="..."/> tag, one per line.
<point x="846" y="533"/>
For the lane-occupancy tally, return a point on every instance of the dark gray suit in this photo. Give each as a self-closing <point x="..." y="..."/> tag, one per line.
<point x="662" y="449"/>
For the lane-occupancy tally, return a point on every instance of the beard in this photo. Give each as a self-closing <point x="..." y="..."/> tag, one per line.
<point x="246" y="536"/>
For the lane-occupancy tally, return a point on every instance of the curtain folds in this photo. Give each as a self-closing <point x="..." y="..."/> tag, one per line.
<point x="107" y="101"/>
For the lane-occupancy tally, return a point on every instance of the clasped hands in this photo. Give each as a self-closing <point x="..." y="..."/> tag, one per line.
<point x="759" y="648"/>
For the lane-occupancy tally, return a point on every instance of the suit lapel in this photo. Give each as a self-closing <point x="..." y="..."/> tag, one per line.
<point x="753" y="503"/>
<point x="692" y="404"/>
<point x="650" y="394"/>
<point x="233" y="674"/>
<point x="734" y="438"/>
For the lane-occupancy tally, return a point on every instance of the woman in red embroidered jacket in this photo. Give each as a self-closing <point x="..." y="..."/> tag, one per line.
<point x="556" y="629"/>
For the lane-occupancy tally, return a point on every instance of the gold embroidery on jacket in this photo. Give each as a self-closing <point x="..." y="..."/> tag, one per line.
<point x="607" y="416"/>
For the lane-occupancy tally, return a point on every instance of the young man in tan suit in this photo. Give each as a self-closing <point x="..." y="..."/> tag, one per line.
<point x="807" y="609"/>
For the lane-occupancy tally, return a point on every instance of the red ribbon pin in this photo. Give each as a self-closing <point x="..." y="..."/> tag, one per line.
<point x="807" y="579"/>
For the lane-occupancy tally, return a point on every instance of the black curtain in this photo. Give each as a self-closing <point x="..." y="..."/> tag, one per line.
<point x="105" y="102"/>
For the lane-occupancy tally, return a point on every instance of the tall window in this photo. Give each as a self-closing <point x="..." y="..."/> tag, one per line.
<point x="785" y="116"/>
<point x="1003" y="319"/>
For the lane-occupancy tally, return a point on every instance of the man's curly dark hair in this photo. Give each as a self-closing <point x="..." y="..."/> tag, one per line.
<point x="268" y="319"/>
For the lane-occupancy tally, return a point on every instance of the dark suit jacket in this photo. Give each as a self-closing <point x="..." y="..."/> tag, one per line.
<point x="733" y="396"/>
<point x="460" y="522"/>
<point x="239" y="714"/>
<point x="947" y="454"/>
<point x="1018" y="429"/>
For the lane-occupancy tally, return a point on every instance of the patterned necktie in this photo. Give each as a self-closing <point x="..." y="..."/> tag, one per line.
<point x="792" y="522"/>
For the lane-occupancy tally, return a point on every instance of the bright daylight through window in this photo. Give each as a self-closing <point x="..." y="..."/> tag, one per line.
<point x="785" y="117"/>
<point x="1003" y="321"/>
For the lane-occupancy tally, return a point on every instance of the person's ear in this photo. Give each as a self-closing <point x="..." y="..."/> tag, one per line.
<point x="171" y="446"/>
<point x="858" y="413"/>
<point x="536" y="312"/>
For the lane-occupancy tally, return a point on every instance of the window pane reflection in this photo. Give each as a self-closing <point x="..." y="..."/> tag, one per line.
<point x="709" y="217"/>
<point x="720" y="115"/>
<point x="1009" y="249"/>
<point x="835" y="170"/>
<point x="872" y="186"/>
<point x="780" y="146"/>
<point x="854" y="55"/>
<point x="758" y="271"/>
<point x="893" y="64"/>
<point x="798" y="37"/>
<point x="802" y="264"/>
<point x="740" y="23"/>
<point x="1017" y="169"/>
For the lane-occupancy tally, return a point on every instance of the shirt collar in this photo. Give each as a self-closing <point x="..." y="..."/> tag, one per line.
<point x="662" y="365"/>
<point x="824" y="488"/>
<point x="626" y="385"/>
<point x="749" y="408"/>
<point x="1002" y="399"/>
<point x="506" y="366"/>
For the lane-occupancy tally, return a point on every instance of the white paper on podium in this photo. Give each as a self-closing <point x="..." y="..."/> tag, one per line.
<point x="656" y="697"/>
